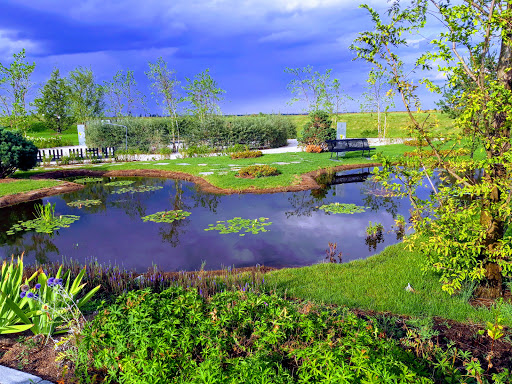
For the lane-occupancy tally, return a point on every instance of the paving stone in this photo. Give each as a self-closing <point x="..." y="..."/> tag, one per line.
<point x="205" y="173"/>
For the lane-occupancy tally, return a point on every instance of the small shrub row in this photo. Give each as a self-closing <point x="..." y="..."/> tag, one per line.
<point x="49" y="142"/>
<point x="246" y="154"/>
<point x="258" y="171"/>
<point x="415" y="143"/>
<point x="443" y="152"/>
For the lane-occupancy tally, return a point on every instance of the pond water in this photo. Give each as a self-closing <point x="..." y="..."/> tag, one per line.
<point x="114" y="233"/>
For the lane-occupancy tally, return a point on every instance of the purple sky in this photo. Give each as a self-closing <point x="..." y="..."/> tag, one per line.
<point x="247" y="44"/>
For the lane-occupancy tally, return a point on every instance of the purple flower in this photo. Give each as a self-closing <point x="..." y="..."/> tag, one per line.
<point x="51" y="281"/>
<point x="22" y="294"/>
<point x="58" y="281"/>
<point x="38" y="286"/>
<point x="30" y="295"/>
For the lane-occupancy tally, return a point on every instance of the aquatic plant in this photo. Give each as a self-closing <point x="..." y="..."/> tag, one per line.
<point x="143" y="188"/>
<point x="238" y="224"/>
<point x="86" y="180"/>
<point x="166" y="216"/>
<point x="342" y="208"/>
<point x="45" y="221"/>
<point x="83" y="203"/>
<point x="120" y="183"/>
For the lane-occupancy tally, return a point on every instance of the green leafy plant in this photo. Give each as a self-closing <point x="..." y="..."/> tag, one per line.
<point x="11" y="303"/>
<point x="16" y="152"/>
<point x="119" y="183"/>
<point x="342" y="208"/>
<point x="83" y="203"/>
<point x="238" y="224"/>
<point x="167" y="216"/>
<point x="45" y="221"/>
<point x="317" y="130"/>
<point x="258" y="171"/>
<point x="373" y="229"/>
<point x="86" y="180"/>
<point x="142" y="188"/>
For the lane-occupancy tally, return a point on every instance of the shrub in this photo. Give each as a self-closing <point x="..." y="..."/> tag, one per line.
<point x="312" y="148"/>
<point x="16" y="152"/>
<point x="197" y="151"/>
<point x="258" y="171"/>
<point x="317" y="130"/>
<point x="246" y="154"/>
<point x="145" y="134"/>
<point x="415" y="143"/>
<point x="239" y="337"/>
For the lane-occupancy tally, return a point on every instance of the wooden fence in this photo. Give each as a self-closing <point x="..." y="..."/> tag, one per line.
<point x="78" y="153"/>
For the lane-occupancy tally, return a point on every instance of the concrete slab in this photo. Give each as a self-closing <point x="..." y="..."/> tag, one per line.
<point x="13" y="376"/>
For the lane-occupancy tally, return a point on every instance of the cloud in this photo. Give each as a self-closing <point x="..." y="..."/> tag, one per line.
<point x="11" y="43"/>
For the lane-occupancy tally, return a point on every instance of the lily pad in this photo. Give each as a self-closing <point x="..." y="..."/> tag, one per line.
<point x="143" y="188"/>
<point x="88" y="180"/>
<point x="167" y="216"/>
<point x="120" y="183"/>
<point x="83" y="203"/>
<point x="342" y="208"/>
<point x="237" y="224"/>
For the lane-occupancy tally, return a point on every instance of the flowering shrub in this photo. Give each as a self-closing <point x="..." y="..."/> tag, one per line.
<point x="258" y="171"/>
<point x="312" y="148"/>
<point x="246" y="154"/>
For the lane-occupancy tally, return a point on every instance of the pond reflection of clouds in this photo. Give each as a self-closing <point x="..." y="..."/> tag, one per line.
<point x="299" y="235"/>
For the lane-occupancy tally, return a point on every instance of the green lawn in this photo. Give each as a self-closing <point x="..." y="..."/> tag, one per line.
<point x="25" y="185"/>
<point x="68" y="136"/>
<point x="294" y="165"/>
<point x="378" y="283"/>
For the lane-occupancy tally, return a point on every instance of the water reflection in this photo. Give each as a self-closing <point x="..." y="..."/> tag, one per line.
<point x="114" y="232"/>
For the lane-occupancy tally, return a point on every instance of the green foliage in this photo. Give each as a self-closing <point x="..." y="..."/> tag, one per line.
<point x="143" y="133"/>
<point x="16" y="152"/>
<point x="234" y="337"/>
<point x="14" y="86"/>
<point x="258" y="171"/>
<point x="373" y="229"/>
<point x="85" y="95"/>
<point x="238" y="224"/>
<point x="119" y="183"/>
<point x="203" y="94"/>
<point x="54" y="103"/>
<point x="132" y="190"/>
<point x="86" y="180"/>
<point x="11" y="304"/>
<point x="343" y="208"/>
<point x="465" y="221"/>
<point x="48" y="142"/>
<point x="45" y="221"/>
<point x="122" y="94"/>
<point x="83" y="203"/>
<point x="167" y="216"/>
<point x="317" y="130"/>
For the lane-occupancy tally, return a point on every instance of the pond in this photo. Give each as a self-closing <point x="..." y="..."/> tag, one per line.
<point x="113" y="232"/>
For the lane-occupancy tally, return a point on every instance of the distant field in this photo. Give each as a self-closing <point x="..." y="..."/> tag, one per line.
<point x="365" y="124"/>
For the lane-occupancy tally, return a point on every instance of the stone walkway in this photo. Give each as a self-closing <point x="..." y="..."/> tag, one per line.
<point x="12" y="376"/>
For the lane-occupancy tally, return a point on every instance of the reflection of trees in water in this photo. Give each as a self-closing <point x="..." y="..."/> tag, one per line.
<point x="92" y="191"/>
<point x="171" y="232"/>
<point x="304" y="203"/>
<point x="11" y="215"/>
<point x="204" y="199"/>
<point x="377" y="198"/>
<point x="39" y="245"/>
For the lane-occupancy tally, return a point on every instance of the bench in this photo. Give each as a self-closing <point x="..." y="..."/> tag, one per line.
<point x="348" y="145"/>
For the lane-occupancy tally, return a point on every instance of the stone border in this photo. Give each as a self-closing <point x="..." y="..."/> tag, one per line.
<point x="307" y="182"/>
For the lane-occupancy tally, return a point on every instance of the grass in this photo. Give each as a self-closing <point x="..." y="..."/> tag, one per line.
<point x="365" y="124"/>
<point x="224" y="177"/>
<point x="25" y="185"/>
<point x="378" y="284"/>
<point x="70" y="135"/>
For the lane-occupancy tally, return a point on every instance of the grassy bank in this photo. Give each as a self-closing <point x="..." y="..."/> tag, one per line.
<point x="221" y="171"/>
<point x="19" y="186"/>
<point x="378" y="284"/>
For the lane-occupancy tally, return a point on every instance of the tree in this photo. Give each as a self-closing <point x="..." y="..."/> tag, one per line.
<point x="378" y="98"/>
<point x="165" y="85"/>
<point x="86" y="96"/>
<point x="203" y="94"/>
<point x="467" y="224"/>
<point x="16" y="152"/>
<point x="336" y="99"/>
<point x="54" y="103"/>
<point x="15" y="84"/>
<point x="123" y="94"/>
<point x="311" y="88"/>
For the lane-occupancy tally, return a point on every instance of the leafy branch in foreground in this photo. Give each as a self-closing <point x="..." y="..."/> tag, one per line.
<point x="467" y="217"/>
